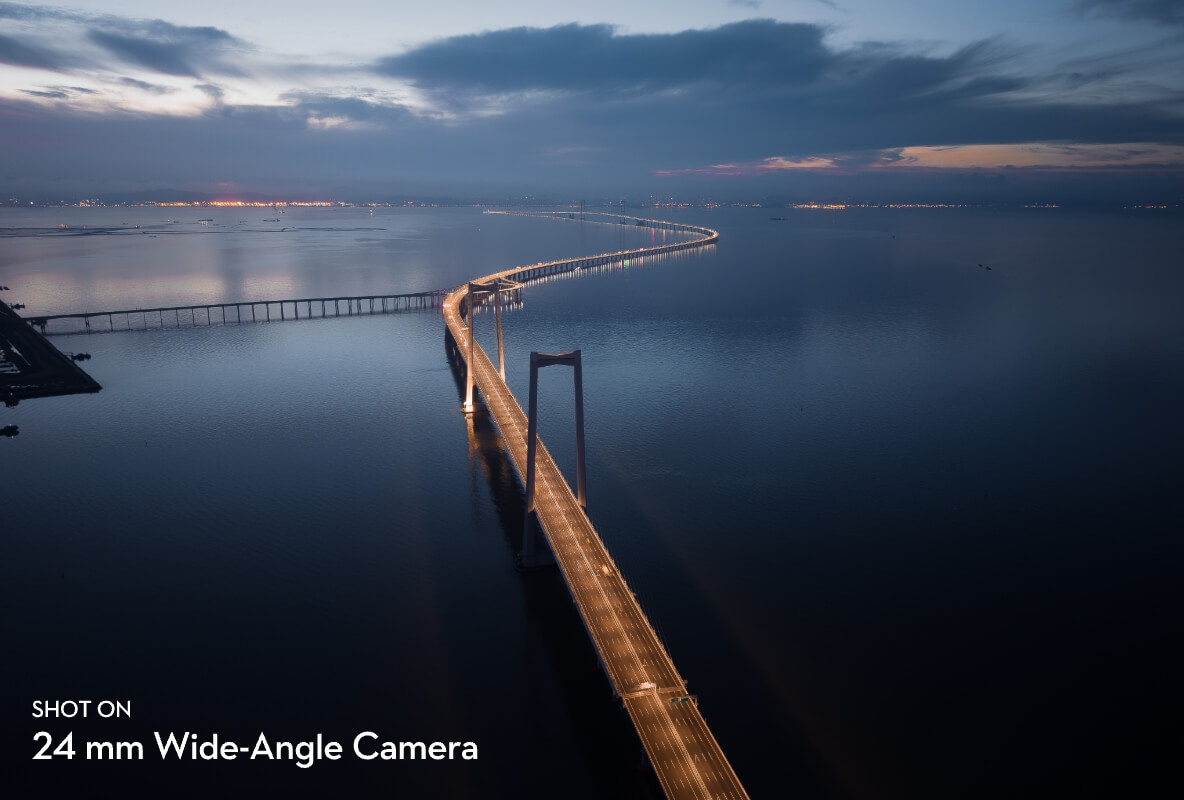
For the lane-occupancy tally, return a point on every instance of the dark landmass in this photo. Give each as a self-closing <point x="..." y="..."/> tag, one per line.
<point x="32" y="367"/>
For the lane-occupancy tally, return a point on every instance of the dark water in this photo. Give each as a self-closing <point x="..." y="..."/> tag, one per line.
<point x="908" y="526"/>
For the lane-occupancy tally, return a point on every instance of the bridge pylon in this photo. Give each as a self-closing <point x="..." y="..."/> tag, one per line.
<point x="537" y="361"/>
<point x="495" y="287"/>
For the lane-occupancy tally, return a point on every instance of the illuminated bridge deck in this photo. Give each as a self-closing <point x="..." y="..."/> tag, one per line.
<point x="685" y="755"/>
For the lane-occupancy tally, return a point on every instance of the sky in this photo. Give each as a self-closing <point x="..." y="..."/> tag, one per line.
<point x="913" y="101"/>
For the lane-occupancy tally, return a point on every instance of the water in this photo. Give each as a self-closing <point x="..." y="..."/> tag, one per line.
<point x="906" y="525"/>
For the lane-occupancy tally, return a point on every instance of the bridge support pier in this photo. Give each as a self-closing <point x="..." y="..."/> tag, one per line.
<point x="497" y="312"/>
<point x="470" y="381"/>
<point x="537" y="361"/>
<point x="495" y="287"/>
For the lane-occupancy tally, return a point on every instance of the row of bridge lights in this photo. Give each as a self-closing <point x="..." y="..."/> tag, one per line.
<point x="496" y="287"/>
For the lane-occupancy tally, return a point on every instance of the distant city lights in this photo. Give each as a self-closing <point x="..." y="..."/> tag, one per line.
<point x="668" y="203"/>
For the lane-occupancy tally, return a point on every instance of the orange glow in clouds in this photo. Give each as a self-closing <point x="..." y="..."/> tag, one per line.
<point x="973" y="156"/>
<point x="996" y="156"/>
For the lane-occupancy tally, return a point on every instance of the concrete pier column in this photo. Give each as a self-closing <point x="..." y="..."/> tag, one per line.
<point x="469" y="379"/>
<point x="532" y="431"/>
<point x="497" y="310"/>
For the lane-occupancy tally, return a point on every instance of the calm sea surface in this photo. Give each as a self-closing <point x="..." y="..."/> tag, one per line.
<point x="908" y="526"/>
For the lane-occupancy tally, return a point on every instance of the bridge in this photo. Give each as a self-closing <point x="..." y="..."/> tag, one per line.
<point x="236" y="313"/>
<point x="685" y="755"/>
<point x="211" y="314"/>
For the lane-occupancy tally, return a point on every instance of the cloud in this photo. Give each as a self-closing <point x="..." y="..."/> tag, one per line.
<point x="1165" y="12"/>
<point x="25" y="13"/>
<point x="752" y="90"/>
<point x="25" y="54"/>
<point x="169" y="49"/>
<point x="578" y="105"/>
<point x="1051" y="156"/>
<point x="57" y="94"/>
<point x="324" y="111"/>
<point x="144" y="86"/>
<point x="327" y="105"/>
<point x="100" y="47"/>
<point x="757" y="73"/>
<point x="215" y="93"/>
<point x="593" y="58"/>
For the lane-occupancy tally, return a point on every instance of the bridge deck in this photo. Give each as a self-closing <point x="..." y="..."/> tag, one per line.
<point x="688" y="760"/>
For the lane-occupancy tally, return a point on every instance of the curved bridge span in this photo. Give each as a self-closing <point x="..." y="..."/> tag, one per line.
<point x="685" y="755"/>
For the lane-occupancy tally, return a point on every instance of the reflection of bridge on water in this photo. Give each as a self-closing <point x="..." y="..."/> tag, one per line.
<point x="685" y="755"/>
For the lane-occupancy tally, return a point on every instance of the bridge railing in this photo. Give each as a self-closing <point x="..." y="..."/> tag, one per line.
<point x="203" y="315"/>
